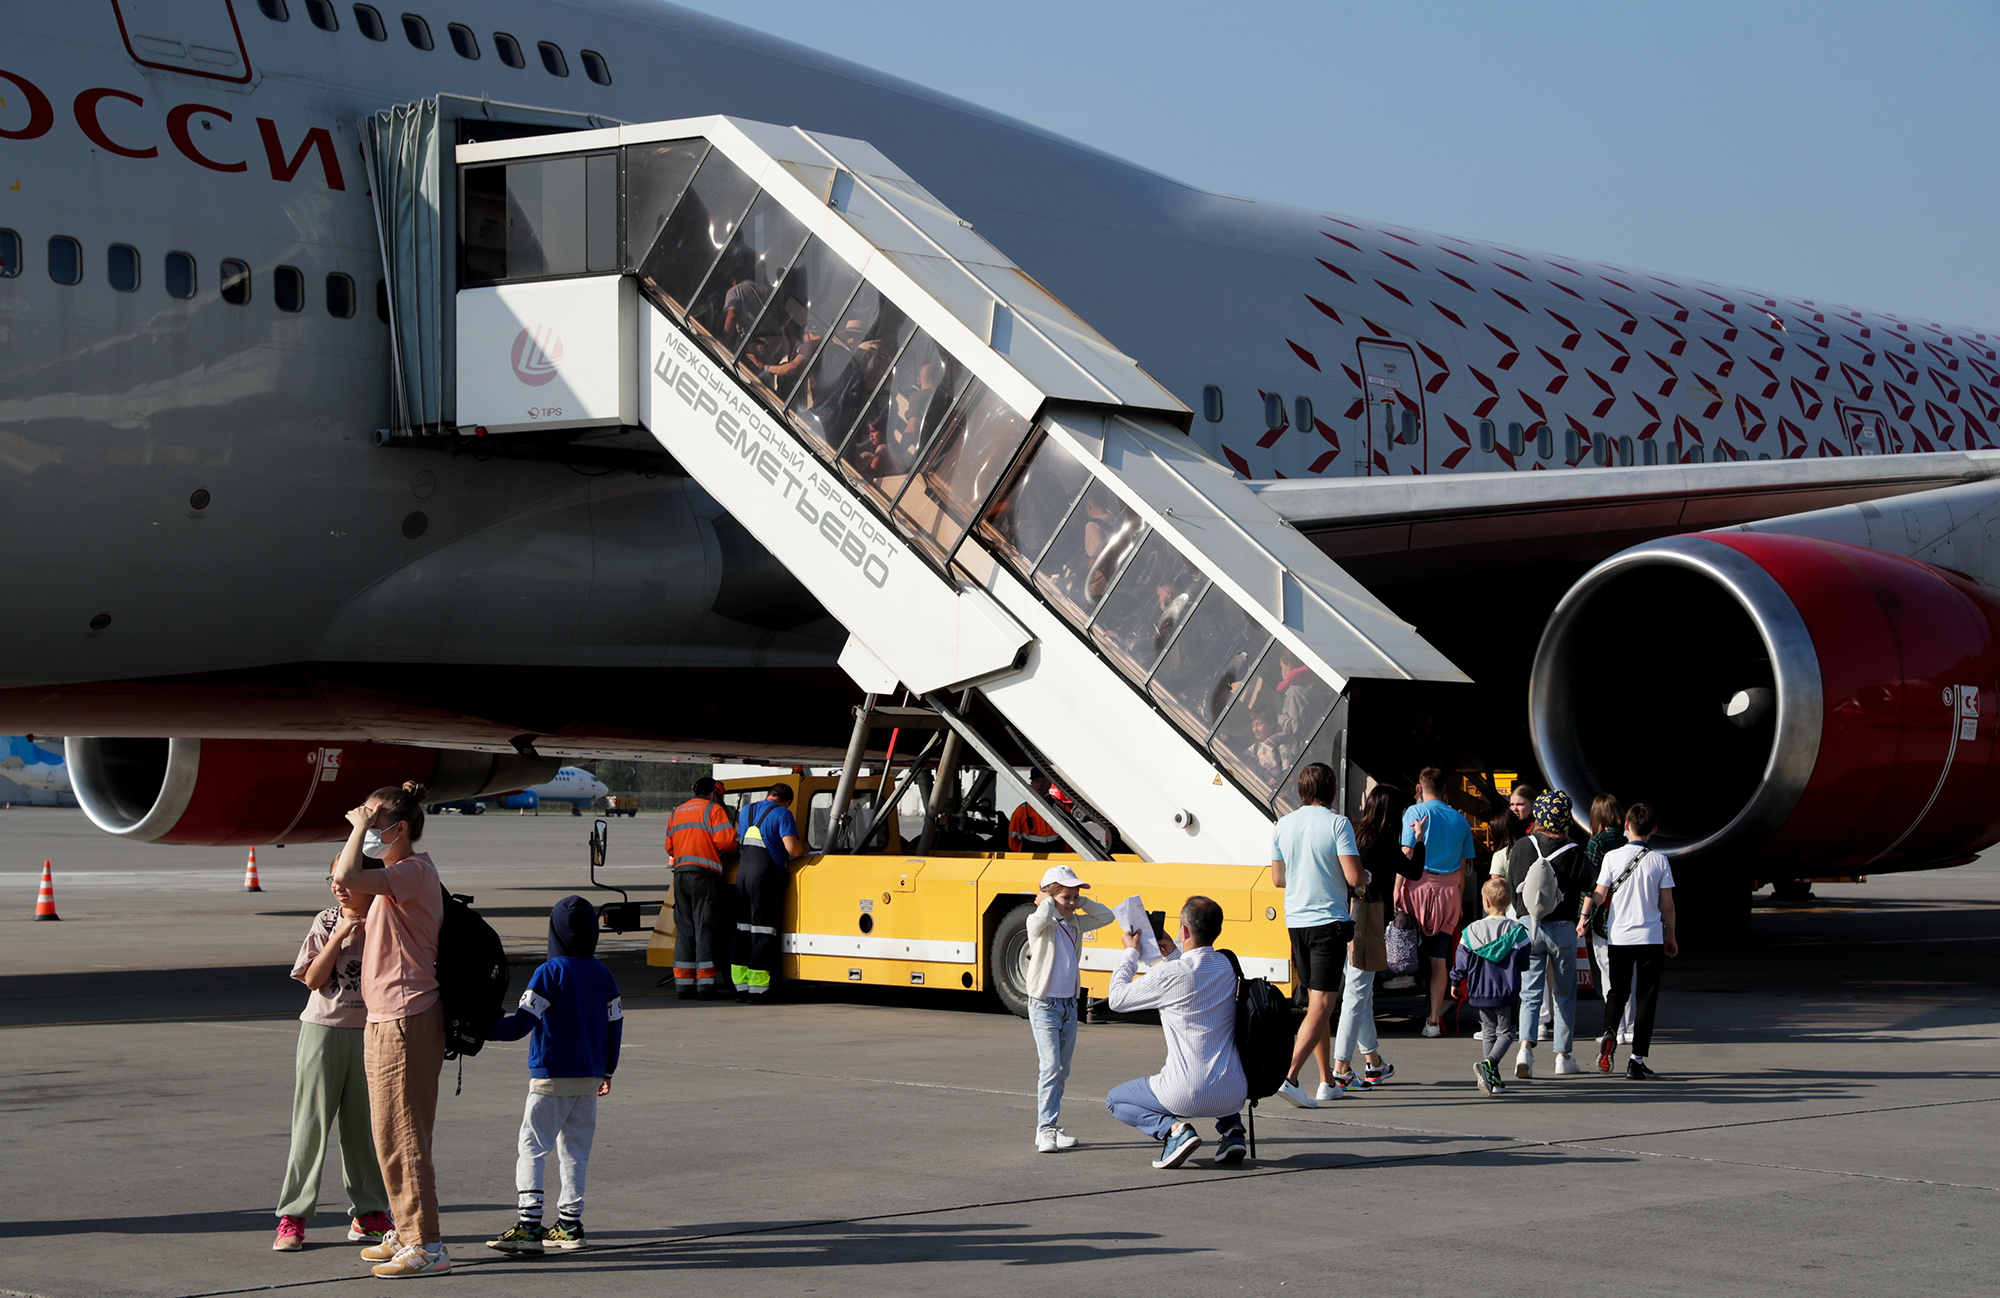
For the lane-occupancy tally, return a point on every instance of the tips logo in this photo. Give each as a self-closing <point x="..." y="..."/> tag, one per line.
<point x="538" y="354"/>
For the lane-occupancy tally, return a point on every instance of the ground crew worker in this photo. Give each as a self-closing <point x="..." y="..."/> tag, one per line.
<point x="770" y="839"/>
<point x="698" y="833"/>
<point x="1028" y="832"/>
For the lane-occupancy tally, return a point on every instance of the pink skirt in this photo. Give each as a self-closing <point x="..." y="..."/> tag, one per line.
<point x="1437" y="900"/>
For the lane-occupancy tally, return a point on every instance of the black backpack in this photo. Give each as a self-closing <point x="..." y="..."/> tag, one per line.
<point x="471" y="974"/>
<point x="1265" y="1030"/>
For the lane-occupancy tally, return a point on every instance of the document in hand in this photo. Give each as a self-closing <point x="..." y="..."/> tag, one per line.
<point x="1131" y="916"/>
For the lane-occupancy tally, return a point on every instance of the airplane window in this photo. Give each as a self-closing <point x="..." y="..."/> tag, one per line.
<point x="798" y="319"/>
<point x="1149" y="603"/>
<point x="1276" y="711"/>
<point x="700" y="228"/>
<point x="1649" y="452"/>
<point x="1025" y="515"/>
<point x="1211" y="404"/>
<point x="1515" y="438"/>
<point x="10" y="254"/>
<point x="370" y="23"/>
<point x="235" y="282"/>
<point x="1600" y="450"/>
<point x="553" y="60"/>
<point x="464" y="41"/>
<point x="1545" y="442"/>
<point x="382" y="300"/>
<point x="322" y="14"/>
<point x="1091" y="550"/>
<point x="274" y="10"/>
<point x="1763" y="455"/>
<point x="180" y="275"/>
<point x="509" y="50"/>
<point x="121" y="267"/>
<point x="1274" y="410"/>
<point x="1572" y="450"/>
<point x="1408" y="435"/>
<point x="1302" y="408"/>
<point x="973" y="449"/>
<point x="1487" y="438"/>
<point x="418" y="32"/>
<point x="596" y="68"/>
<point x="1625" y="451"/>
<point x="1696" y="455"/>
<point x="288" y="288"/>
<point x="65" y="260"/>
<point x="340" y="296"/>
<point x="1209" y="661"/>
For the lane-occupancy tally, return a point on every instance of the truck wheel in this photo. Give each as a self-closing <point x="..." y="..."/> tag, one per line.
<point x="1007" y="961"/>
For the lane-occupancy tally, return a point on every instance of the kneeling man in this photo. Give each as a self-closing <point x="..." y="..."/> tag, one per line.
<point x="1194" y="989"/>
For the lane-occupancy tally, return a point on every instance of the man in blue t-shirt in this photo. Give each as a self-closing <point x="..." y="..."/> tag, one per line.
<point x="1439" y="837"/>
<point x="1314" y="859"/>
<point x="768" y="838"/>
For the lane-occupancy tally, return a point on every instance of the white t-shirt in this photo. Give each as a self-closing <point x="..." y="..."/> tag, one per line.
<point x="1635" y="903"/>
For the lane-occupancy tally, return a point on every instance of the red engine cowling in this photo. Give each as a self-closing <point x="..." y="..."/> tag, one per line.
<point x="1789" y="706"/>
<point x="251" y="791"/>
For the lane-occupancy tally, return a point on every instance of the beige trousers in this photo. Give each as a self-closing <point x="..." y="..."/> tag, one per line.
<point x="404" y="1058"/>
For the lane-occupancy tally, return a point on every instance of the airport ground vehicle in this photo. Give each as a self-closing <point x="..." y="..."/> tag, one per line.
<point x="959" y="919"/>
<point x="621" y="806"/>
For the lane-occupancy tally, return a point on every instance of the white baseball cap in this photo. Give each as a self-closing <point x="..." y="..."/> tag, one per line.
<point x="1063" y="875"/>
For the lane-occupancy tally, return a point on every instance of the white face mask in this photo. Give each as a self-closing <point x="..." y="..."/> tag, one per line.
<point x="372" y="845"/>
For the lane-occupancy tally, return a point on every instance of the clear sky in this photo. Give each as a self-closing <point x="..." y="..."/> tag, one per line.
<point x="1846" y="152"/>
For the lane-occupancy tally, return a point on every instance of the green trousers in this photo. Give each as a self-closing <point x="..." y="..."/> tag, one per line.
<point x="330" y="1084"/>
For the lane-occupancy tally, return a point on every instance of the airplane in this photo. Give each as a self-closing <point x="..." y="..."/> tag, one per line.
<point x="32" y="766"/>
<point x="571" y="784"/>
<point x="1528" y="457"/>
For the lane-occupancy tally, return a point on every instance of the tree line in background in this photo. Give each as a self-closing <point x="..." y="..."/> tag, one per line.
<point x="648" y="778"/>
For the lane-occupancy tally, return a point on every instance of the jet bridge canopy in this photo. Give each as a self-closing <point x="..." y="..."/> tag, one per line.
<point x="984" y="490"/>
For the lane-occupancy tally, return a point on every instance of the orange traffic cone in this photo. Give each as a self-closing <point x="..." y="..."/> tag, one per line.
<point x="45" y="901"/>
<point x="250" y="883"/>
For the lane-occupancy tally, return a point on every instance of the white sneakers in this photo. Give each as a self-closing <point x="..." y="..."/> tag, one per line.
<point x="1431" y="1029"/>
<point x="1566" y="1065"/>
<point x="1524" y="1063"/>
<point x="1050" y="1140"/>
<point x="1294" y="1094"/>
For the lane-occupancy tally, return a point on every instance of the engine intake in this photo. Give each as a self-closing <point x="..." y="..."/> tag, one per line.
<point x="250" y="791"/>
<point x="1787" y="705"/>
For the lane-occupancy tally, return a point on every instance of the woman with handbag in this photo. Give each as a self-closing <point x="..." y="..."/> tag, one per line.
<point x="1382" y="857"/>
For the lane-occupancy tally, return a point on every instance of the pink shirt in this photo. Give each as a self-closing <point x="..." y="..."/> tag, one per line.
<point x="399" y="961"/>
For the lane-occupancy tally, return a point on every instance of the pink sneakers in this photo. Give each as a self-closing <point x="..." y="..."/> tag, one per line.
<point x="291" y="1235"/>
<point x="370" y="1227"/>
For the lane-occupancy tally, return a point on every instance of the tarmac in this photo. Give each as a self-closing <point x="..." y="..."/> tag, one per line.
<point x="1824" y="1122"/>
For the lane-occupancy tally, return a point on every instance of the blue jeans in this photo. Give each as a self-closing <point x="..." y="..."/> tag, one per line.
<point x="1054" y="1024"/>
<point x="1551" y="960"/>
<point x="1357" y="1016"/>
<point x="1135" y="1105"/>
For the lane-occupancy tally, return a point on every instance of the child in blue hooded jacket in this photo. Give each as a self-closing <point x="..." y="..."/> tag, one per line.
<point x="1492" y="953"/>
<point x="572" y="1017"/>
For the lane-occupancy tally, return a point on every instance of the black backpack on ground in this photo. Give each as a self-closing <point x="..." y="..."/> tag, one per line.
<point x="1265" y="1030"/>
<point x="471" y="974"/>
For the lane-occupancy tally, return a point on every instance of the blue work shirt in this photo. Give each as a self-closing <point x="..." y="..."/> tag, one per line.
<point x="1447" y="838"/>
<point x="766" y="824"/>
<point x="1311" y="841"/>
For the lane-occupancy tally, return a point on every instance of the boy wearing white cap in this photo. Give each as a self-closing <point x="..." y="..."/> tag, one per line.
<point x="1054" y="949"/>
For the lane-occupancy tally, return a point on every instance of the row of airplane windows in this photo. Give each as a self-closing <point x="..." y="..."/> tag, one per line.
<point x="180" y="273"/>
<point x="368" y="20"/>
<point x="1600" y="448"/>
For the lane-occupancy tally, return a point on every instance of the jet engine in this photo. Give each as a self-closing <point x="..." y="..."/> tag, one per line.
<point x="249" y="791"/>
<point x="1789" y="706"/>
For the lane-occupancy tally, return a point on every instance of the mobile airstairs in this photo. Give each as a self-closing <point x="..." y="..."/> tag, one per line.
<point x="989" y="496"/>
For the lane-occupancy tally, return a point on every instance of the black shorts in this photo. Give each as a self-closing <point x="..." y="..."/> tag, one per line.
<point x="1438" y="946"/>
<point x="1318" y="953"/>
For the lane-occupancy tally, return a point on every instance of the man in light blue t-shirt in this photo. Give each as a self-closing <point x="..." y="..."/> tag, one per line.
<point x="1439" y="837"/>
<point x="1314" y="859"/>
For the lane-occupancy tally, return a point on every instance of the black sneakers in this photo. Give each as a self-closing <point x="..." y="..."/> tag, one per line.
<point x="1637" y="1072"/>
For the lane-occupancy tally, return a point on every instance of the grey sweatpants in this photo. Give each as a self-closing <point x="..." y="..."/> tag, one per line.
<point x="566" y="1124"/>
<point x="1498" y="1025"/>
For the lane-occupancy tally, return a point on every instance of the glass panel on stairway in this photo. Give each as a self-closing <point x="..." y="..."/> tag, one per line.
<point x="844" y="374"/>
<point x="656" y="175"/>
<point x="1025" y="515"/>
<point x="1209" y="660"/>
<point x="758" y="255"/>
<point x="961" y="469"/>
<point x="1101" y="534"/>
<point x="908" y="405"/>
<point x="1149" y="603"/>
<point x="697" y="232"/>
<point x="1274" y="714"/>
<point x="798" y="319"/>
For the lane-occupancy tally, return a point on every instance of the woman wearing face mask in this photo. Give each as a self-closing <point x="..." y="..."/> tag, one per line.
<point x="404" y="1039"/>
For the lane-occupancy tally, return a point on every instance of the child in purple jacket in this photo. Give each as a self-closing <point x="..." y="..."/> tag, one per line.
<point x="1492" y="952"/>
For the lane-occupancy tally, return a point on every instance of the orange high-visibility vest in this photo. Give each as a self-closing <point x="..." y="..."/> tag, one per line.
<point x="698" y="833"/>
<point x="1028" y="832"/>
